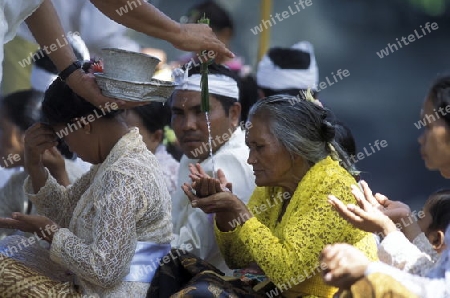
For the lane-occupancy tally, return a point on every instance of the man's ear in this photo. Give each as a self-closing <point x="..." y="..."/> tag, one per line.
<point x="235" y="113"/>
<point x="437" y="240"/>
<point x="157" y="136"/>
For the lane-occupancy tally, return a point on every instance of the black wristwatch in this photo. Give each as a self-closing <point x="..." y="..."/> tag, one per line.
<point x="63" y="75"/>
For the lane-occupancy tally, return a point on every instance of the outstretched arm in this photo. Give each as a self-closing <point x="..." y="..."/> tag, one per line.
<point x="144" y="17"/>
<point x="46" y="28"/>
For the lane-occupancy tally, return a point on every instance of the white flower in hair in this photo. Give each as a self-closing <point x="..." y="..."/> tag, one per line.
<point x="309" y="97"/>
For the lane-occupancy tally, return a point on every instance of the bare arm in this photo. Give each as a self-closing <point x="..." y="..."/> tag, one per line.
<point x="46" y="28"/>
<point x="149" y="20"/>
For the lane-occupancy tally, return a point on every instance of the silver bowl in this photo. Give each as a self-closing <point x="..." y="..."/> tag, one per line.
<point x="154" y="90"/>
<point x="128" y="66"/>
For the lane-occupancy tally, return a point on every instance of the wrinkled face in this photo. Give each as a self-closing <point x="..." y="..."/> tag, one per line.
<point x="271" y="162"/>
<point x="190" y="125"/>
<point x="435" y="141"/>
<point x="11" y="142"/>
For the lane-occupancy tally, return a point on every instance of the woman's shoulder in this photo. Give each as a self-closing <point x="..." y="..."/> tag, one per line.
<point x="328" y="174"/>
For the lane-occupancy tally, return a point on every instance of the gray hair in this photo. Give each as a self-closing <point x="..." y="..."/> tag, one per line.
<point x="301" y="127"/>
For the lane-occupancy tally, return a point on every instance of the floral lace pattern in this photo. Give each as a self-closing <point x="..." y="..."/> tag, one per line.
<point x="288" y="251"/>
<point x="169" y="167"/>
<point x="103" y="215"/>
<point x="416" y="258"/>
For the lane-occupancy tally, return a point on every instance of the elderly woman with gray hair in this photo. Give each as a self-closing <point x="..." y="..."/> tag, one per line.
<point x="287" y="222"/>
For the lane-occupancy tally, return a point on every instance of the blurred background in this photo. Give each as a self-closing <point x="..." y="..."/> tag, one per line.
<point x="381" y="99"/>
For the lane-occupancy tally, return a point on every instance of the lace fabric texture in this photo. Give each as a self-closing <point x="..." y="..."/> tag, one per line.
<point x="436" y="282"/>
<point x="169" y="167"/>
<point x="288" y="251"/>
<point x="14" y="199"/>
<point x="417" y="257"/>
<point x="103" y="215"/>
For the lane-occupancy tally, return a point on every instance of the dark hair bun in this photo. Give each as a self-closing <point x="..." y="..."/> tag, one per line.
<point x="328" y="131"/>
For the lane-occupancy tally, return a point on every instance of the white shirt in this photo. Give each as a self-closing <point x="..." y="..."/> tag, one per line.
<point x="192" y="225"/>
<point x="5" y="174"/>
<point x="12" y="14"/>
<point x="96" y="29"/>
<point x="417" y="257"/>
<point x="436" y="284"/>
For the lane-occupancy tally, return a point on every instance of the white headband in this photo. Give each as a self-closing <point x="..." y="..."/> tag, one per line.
<point x="273" y="77"/>
<point x="41" y="79"/>
<point x="218" y="84"/>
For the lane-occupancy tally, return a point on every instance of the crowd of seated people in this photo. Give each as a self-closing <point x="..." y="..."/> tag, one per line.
<point x="262" y="200"/>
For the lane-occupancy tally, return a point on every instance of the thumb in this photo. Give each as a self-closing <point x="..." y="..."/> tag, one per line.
<point x="382" y="199"/>
<point x="229" y="185"/>
<point x="221" y="176"/>
<point x="19" y="216"/>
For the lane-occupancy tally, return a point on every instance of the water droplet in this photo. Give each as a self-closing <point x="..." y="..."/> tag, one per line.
<point x="208" y="123"/>
<point x="184" y="20"/>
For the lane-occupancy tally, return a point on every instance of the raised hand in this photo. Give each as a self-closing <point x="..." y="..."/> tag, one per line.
<point x="85" y="85"/>
<point x="344" y="265"/>
<point x="38" y="138"/>
<point x="204" y="185"/>
<point x="398" y="212"/>
<point x="365" y="216"/>
<point x="200" y="37"/>
<point x="54" y="162"/>
<point x="224" y="204"/>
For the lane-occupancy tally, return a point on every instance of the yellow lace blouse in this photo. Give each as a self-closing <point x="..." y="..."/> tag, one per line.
<point x="288" y="251"/>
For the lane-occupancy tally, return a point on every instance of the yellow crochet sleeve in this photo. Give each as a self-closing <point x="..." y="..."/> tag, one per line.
<point x="231" y="247"/>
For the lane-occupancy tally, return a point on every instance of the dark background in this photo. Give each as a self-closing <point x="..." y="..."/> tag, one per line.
<point x="381" y="99"/>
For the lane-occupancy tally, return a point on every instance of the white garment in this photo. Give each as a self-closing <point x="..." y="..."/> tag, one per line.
<point x="96" y="29"/>
<point x="417" y="257"/>
<point x="12" y="14"/>
<point x="14" y="199"/>
<point x="436" y="284"/>
<point x="192" y="225"/>
<point x="5" y="174"/>
<point x="102" y="216"/>
<point x="169" y="167"/>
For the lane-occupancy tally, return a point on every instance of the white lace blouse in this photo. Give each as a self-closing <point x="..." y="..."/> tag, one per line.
<point x="104" y="214"/>
<point x="417" y="257"/>
<point x="435" y="283"/>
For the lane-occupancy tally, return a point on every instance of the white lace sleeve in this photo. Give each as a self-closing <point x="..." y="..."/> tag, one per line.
<point x="423" y="287"/>
<point x="397" y="251"/>
<point x="55" y="201"/>
<point x="103" y="254"/>
<point x="422" y="243"/>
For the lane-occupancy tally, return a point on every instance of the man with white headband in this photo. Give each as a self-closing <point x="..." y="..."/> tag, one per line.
<point x="192" y="227"/>
<point x="288" y="71"/>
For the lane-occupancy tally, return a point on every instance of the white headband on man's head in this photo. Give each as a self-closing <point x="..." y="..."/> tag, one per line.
<point x="273" y="77"/>
<point x="218" y="84"/>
